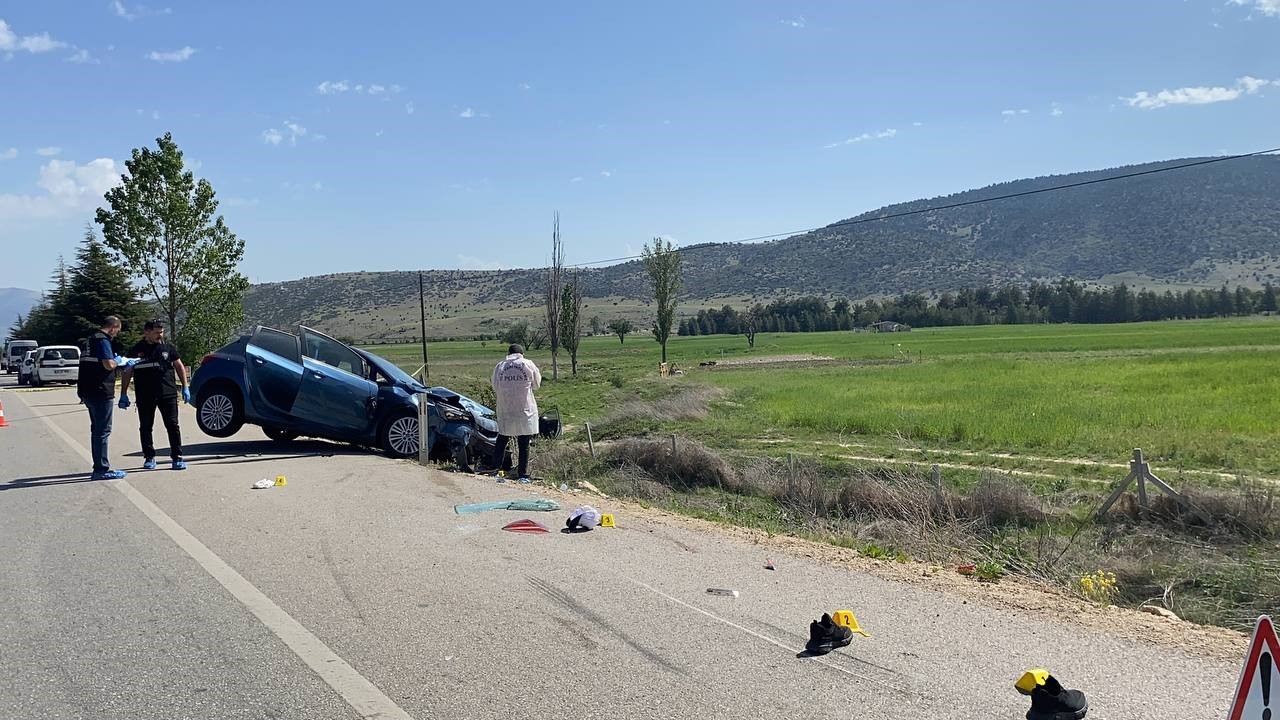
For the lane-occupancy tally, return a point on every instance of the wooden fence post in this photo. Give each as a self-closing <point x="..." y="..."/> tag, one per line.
<point x="591" y="446"/>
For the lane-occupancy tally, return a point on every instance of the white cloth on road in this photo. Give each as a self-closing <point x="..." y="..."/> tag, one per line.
<point x="514" y="380"/>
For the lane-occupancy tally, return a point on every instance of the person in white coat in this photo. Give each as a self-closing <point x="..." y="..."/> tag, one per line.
<point x="514" y="380"/>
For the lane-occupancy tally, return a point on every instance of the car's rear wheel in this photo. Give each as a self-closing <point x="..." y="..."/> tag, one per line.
<point x="219" y="412"/>
<point x="280" y="435"/>
<point x="399" y="437"/>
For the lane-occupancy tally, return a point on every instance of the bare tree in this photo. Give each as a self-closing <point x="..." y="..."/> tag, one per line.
<point x="749" y="322"/>
<point x="571" y="320"/>
<point x="662" y="262"/>
<point x="552" y="296"/>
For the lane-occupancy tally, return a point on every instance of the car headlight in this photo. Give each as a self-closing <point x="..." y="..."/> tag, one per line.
<point x="452" y="414"/>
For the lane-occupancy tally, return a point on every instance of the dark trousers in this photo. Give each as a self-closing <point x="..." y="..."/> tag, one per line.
<point x="522" y="469"/>
<point x="99" y="430"/>
<point x="168" y="406"/>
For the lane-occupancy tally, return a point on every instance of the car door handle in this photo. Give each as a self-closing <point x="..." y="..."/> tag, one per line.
<point x="260" y="361"/>
<point x="317" y="376"/>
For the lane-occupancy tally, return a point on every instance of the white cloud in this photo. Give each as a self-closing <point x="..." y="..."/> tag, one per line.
<point x="1270" y="8"/>
<point x="9" y="154"/>
<point x="606" y="173"/>
<point x="49" y="151"/>
<point x="338" y="87"/>
<point x="1198" y="95"/>
<point x="1011" y="113"/>
<point x="378" y="134"/>
<point x="292" y="131"/>
<point x="332" y="88"/>
<point x="41" y="43"/>
<point x="576" y="179"/>
<point x="82" y="56"/>
<point x="796" y="23"/>
<point x="408" y="108"/>
<point x="69" y="189"/>
<point x="272" y="136"/>
<point x="1055" y="109"/>
<point x="917" y="124"/>
<point x="469" y="262"/>
<point x="468" y="113"/>
<point x="317" y="186"/>
<point x="182" y="55"/>
<point x="131" y="14"/>
<point x="155" y="114"/>
<point x="526" y="86"/>
<point x="881" y="135"/>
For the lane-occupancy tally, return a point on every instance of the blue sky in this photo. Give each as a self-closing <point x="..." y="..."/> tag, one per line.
<point x="372" y="136"/>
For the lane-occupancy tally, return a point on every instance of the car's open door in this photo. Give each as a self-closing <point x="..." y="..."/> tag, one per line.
<point x="273" y="366"/>
<point x="337" y="393"/>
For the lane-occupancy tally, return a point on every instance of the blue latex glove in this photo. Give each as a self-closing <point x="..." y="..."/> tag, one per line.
<point x="124" y="402"/>
<point x="186" y="395"/>
<point x="119" y="360"/>
<point x="125" y="362"/>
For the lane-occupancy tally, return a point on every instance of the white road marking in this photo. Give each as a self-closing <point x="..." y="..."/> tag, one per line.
<point x="363" y="696"/>
<point x="759" y="636"/>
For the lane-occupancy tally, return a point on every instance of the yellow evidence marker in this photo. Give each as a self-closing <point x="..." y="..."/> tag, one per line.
<point x="1031" y="679"/>
<point x="846" y="618"/>
<point x="606" y="520"/>
<point x="280" y="481"/>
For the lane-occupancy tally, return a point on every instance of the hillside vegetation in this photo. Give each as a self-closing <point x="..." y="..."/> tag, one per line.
<point x="1199" y="226"/>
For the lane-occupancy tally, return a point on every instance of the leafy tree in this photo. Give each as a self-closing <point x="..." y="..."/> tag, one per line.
<point x="162" y="226"/>
<point x="662" y="263"/>
<point x="1268" y="298"/>
<point x="621" y="327"/>
<point x="570" y="329"/>
<point x="596" y="325"/>
<point x="517" y="333"/>
<point x="751" y="321"/>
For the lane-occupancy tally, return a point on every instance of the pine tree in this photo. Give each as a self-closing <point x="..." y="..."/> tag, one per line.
<point x="1268" y="298"/>
<point x="99" y="287"/>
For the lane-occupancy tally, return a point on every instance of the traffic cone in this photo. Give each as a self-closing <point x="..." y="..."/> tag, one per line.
<point x="3" y="422"/>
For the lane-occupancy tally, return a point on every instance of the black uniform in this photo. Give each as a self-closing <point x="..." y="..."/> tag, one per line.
<point x="155" y="387"/>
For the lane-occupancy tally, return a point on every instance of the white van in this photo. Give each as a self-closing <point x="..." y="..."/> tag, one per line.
<point x="13" y="352"/>
<point x="56" y="363"/>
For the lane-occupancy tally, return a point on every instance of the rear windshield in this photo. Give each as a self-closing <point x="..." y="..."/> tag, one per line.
<point x="61" y="354"/>
<point x="16" y="350"/>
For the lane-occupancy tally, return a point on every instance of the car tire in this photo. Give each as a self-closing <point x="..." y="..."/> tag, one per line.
<point x="399" y="435"/>
<point x="219" y="411"/>
<point x="280" y="435"/>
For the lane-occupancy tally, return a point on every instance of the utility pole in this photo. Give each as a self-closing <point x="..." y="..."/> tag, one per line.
<point x="422" y="307"/>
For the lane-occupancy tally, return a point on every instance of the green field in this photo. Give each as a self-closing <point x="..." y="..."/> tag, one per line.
<point x="1196" y="395"/>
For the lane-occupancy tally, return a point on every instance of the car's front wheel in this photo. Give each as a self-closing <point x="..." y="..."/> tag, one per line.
<point x="219" y="412"/>
<point x="399" y="437"/>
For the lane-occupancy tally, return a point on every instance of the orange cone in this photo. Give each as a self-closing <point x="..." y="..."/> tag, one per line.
<point x="2" y="420"/>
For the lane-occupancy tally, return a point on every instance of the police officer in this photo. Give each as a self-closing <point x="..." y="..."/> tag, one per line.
<point x="96" y="387"/>
<point x="153" y="381"/>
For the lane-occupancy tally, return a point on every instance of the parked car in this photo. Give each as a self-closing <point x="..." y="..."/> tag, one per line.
<point x="11" y="358"/>
<point x="24" y="367"/>
<point x="55" y="364"/>
<point x="312" y="385"/>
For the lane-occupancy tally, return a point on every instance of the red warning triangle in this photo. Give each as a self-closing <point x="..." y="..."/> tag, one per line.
<point x="526" y="526"/>
<point x="1259" y="686"/>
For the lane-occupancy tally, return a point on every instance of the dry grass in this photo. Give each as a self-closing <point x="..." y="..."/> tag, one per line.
<point x="693" y="465"/>
<point x="686" y="402"/>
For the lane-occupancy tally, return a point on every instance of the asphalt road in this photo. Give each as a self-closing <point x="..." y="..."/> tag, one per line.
<point x="356" y="591"/>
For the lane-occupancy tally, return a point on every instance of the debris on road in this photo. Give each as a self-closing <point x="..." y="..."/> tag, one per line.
<point x="825" y="635"/>
<point x="722" y="592"/>
<point x="1161" y="611"/>
<point x="768" y="564"/>
<point x="582" y="519"/>
<point x="592" y="488"/>
<point x="263" y="484"/>
<point x="533" y="505"/>
<point x="1049" y="699"/>
<point x="967" y="569"/>
<point x="531" y="527"/>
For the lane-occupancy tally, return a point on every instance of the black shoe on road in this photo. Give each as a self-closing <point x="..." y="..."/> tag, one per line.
<point x="825" y="635"/>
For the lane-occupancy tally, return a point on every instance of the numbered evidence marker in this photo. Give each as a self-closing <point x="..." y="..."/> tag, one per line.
<point x="281" y="481"/>
<point x="1256" y="695"/>
<point x="606" y="520"/>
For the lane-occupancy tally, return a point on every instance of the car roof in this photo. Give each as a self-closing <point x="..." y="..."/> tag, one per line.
<point x="58" y="347"/>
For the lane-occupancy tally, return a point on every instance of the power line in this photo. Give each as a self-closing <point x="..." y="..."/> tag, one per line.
<point x="905" y="213"/>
